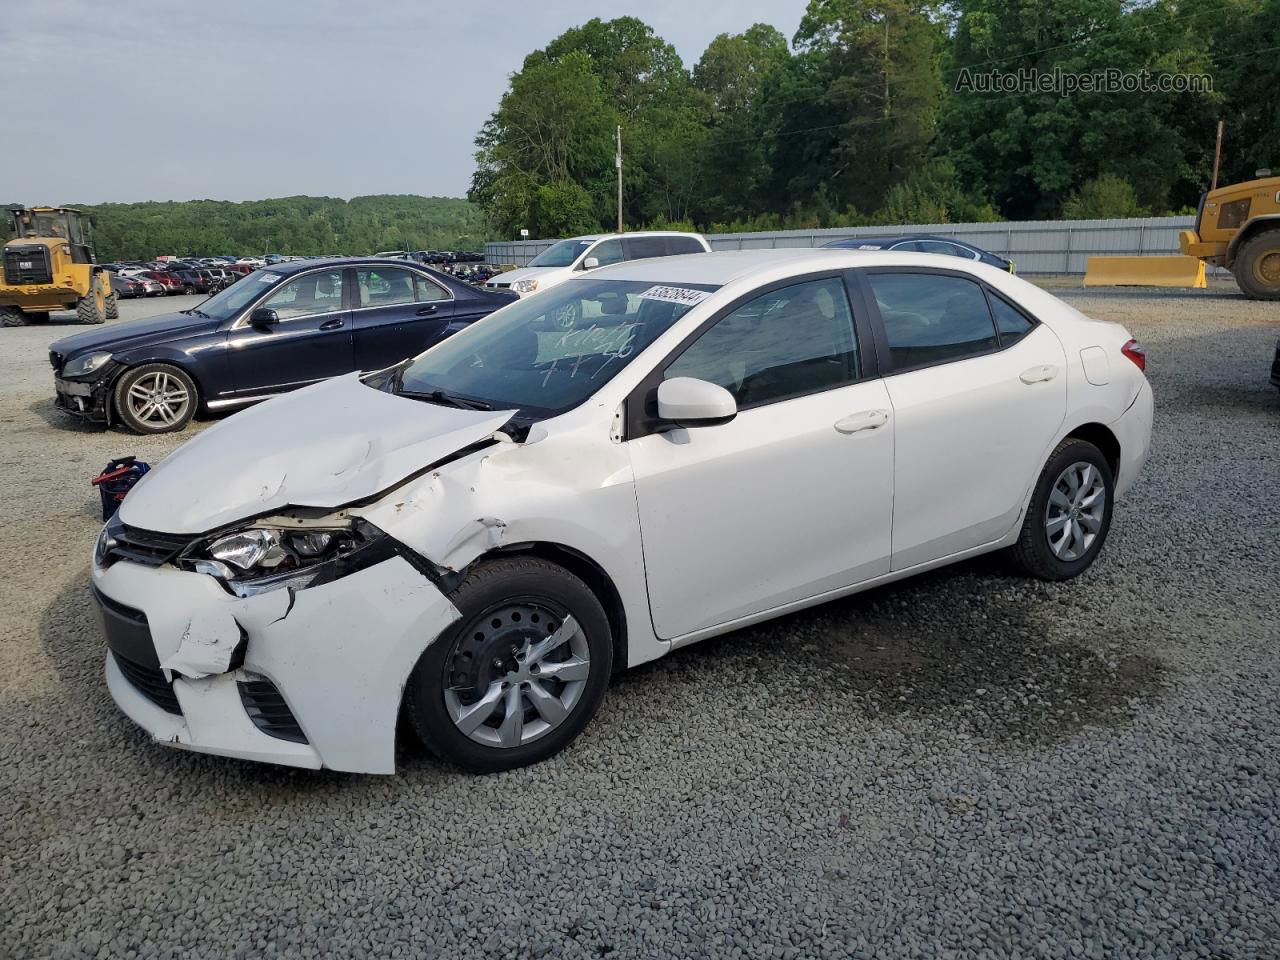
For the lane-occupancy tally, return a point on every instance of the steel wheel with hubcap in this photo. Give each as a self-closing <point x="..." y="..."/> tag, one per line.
<point x="1070" y="513"/>
<point x="520" y="674"/>
<point x="155" y="398"/>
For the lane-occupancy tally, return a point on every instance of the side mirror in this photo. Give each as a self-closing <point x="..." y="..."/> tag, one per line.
<point x="590" y="263"/>
<point x="264" y="317"/>
<point x="688" y="402"/>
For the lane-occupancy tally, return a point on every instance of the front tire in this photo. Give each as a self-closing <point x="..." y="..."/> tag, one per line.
<point x="1070" y="513"/>
<point x="113" y="306"/>
<point x="1257" y="266"/>
<point x="518" y="676"/>
<point x="155" y="398"/>
<point x="92" y="307"/>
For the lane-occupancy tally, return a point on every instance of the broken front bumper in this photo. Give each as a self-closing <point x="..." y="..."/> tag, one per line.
<point x="86" y="398"/>
<point x="308" y="678"/>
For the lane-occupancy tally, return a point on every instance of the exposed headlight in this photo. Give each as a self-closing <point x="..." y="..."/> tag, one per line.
<point x="86" y="364"/>
<point x="525" y="286"/>
<point x="259" y="559"/>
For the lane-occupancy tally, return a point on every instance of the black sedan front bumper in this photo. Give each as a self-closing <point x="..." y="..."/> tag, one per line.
<point x="1275" y="368"/>
<point x="89" y="397"/>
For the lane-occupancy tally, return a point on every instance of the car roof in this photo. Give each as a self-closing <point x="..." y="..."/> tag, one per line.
<point x="899" y="237"/>
<point x="298" y="266"/>
<point x="591" y="238"/>
<point x="723" y="267"/>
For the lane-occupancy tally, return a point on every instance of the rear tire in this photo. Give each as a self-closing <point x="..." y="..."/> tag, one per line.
<point x="519" y="675"/>
<point x="1257" y="266"/>
<point x="92" y="308"/>
<point x="12" y="317"/>
<point x="1070" y="513"/>
<point x="155" y="398"/>
<point x="113" y="306"/>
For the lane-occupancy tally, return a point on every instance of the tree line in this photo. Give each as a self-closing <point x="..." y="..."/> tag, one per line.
<point x="862" y="117"/>
<point x="287" y="225"/>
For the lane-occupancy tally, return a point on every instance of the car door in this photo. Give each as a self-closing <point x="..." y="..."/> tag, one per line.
<point x="975" y="408"/>
<point x="310" y="340"/>
<point x="790" y="499"/>
<point x="399" y="314"/>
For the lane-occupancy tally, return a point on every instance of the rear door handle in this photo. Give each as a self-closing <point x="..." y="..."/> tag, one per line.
<point x="864" y="420"/>
<point x="334" y="324"/>
<point x="425" y="311"/>
<point x="1039" y="374"/>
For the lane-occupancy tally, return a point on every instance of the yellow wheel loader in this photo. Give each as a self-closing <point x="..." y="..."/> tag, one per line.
<point x="1238" y="227"/>
<point x="49" y="265"/>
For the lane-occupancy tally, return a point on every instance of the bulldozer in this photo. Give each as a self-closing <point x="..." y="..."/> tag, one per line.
<point x="49" y="265"/>
<point x="1238" y="227"/>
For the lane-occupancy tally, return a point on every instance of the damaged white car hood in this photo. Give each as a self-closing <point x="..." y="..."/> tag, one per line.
<point x="322" y="446"/>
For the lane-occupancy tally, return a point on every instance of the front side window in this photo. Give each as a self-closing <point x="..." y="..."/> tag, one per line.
<point x="930" y="318"/>
<point x="307" y="296"/>
<point x="385" y="287"/>
<point x="561" y="254"/>
<point x="524" y="357"/>
<point x="607" y="252"/>
<point x="794" y="340"/>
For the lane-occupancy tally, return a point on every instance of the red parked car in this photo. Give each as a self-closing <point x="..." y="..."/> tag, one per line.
<point x="171" y="282"/>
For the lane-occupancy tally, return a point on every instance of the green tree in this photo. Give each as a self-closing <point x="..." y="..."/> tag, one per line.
<point x="1103" y="197"/>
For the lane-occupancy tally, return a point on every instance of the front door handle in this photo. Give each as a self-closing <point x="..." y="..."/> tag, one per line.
<point x="427" y="310"/>
<point x="334" y="324"/>
<point x="1039" y="374"/>
<point x="864" y="420"/>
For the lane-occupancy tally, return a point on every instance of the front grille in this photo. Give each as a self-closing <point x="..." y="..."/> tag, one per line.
<point x="149" y="682"/>
<point x="27" y="265"/>
<point x="144" y="546"/>
<point x="268" y="711"/>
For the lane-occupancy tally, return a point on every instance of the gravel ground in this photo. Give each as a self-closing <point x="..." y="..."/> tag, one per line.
<point x="963" y="765"/>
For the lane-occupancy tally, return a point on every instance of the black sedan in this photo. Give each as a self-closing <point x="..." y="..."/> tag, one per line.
<point x="279" y="328"/>
<point x="925" y="243"/>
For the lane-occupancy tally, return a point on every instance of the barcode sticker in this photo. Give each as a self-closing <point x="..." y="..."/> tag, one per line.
<point x="681" y="295"/>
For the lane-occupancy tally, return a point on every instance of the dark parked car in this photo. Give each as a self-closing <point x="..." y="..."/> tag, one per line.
<point x="1275" y="368"/>
<point x="279" y="328"/>
<point x="924" y="243"/>
<point x="126" y="288"/>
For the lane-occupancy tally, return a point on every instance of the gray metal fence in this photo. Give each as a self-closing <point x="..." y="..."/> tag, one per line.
<point x="1036" y="246"/>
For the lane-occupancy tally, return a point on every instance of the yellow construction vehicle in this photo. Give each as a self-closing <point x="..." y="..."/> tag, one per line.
<point x="1238" y="227"/>
<point x="49" y="265"/>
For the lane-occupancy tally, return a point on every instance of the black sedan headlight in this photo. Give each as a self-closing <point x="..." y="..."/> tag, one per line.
<point x="257" y="559"/>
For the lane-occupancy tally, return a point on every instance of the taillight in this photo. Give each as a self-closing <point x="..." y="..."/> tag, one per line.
<point x="1133" y="350"/>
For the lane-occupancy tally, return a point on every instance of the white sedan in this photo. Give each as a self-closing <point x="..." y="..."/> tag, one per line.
<point x="479" y="537"/>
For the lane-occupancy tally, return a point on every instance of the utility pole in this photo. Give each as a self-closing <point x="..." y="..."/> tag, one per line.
<point x="618" y="163"/>
<point x="1217" y="157"/>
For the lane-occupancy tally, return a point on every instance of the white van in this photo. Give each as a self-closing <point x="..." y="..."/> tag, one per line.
<point x="567" y="257"/>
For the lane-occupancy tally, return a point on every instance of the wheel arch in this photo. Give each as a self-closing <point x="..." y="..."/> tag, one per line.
<point x="1259" y="224"/>
<point x="1101" y="436"/>
<point x="128" y="363"/>
<point x="589" y="572"/>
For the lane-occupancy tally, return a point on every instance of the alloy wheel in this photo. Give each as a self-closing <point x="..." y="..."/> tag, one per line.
<point x="517" y="674"/>
<point x="1076" y="510"/>
<point x="158" y="399"/>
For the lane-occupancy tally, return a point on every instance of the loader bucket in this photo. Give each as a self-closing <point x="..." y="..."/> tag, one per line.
<point x="1174" y="271"/>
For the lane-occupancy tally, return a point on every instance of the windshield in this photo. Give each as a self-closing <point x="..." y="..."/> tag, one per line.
<point x="546" y="354"/>
<point x="228" y="303"/>
<point x="562" y="254"/>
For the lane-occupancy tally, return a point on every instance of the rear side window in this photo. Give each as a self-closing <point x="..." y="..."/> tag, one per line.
<point x="385" y="287"/>
<point x="944" y="248"/>
<point x="1011" y="323"/>
<point x="677" y="245"/>
<point x="638" y="248"/>
<point x="929" y="318"/>
<point x="426" y="290"/>
<point x="784" y="343"/>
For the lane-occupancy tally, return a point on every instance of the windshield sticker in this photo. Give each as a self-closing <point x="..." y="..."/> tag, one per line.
<point x="269" y="278"/>
<point x="681" y="295"/>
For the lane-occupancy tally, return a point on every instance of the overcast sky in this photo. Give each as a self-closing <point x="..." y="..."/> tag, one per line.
<point x="244" y="99"/>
